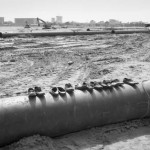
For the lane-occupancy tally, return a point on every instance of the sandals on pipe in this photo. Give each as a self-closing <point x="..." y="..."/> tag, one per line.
<point x="54" y="91"/>
<point x="107" y="83"/>
<point x="61" y="91"/>
<point x="103" y="85"/>
<point x="116" y="83"/>
<point x="97" y="86"/>
<point x="38" y="91"/>
<point x="129" y="82"/>
<point x="31" y="92"/>
<point x="82" y="86"/>
<point x="69" y="88"/>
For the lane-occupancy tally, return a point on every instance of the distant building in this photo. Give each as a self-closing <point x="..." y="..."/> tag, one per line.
<point x="114" y="22"/>
<point x="8" y="23"/>
<point x="22" y="21"/>
<point x="92" y="22"/>
<point x="101" y="23"/>
<point x="58" y="19"/>
<point x="1" y="20"/>
<point x="53" y="20"/>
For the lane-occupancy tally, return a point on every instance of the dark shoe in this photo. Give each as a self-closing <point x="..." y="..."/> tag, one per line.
<point x="130" y="82"/>
<point x="38" y="91"/>
<point x="54" y="91"/>
<point x="69" y="88"/>
<point x="92" y="84"/>
<point x="31" y="92"/>
<point x="61" y="91"/>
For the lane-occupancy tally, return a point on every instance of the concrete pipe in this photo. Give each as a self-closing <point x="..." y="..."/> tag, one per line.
<point x="55" y="116"/>
<point x="52" y="33"/>
<point x="129" y="31"/>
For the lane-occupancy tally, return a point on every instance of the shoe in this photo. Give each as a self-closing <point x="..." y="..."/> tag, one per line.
<point x="92" y="83"/>
<point x="103" y="85"/>
<point x="130" y="82"/>
<point x="38" y="91"/>
<point x="90" y="87"/>
<point x="31" y="92"/>
<point x="108" y="83"/>
<point x="97" y="86"/>
<point x="69" y="88"/>
<point x="61" y="91"/>
<point x="114" y="80"/>
<point x="54" y="91"/>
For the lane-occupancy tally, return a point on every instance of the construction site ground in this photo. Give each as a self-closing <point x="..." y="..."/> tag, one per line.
<point x="28" y="62"/>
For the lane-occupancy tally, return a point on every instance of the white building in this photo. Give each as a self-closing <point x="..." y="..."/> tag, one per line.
<point x="22" y="21"/>
<point x="114" y="22"/>
<point x="58" y="19"/>
<point x="1" y="20"/>
<point x="53" y="20"/>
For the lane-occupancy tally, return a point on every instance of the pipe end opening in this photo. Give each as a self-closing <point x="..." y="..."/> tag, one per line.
<point x="1" y="35"/>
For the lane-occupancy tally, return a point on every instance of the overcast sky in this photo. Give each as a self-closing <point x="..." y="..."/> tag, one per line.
<point x="77" y="10"/>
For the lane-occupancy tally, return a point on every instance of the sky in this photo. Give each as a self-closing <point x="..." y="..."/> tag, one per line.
<point x="77" y="10"/>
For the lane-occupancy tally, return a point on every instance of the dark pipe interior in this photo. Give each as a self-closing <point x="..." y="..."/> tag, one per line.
<point x="1" y="34"/>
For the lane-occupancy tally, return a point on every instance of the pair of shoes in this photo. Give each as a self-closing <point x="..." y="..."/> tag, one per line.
<point x="38" y="91"/>
<point x="69" y="88"/>
<point x="90" y="87"/>
<point x="97" y="86"/>
<point x="35" y="92"/>
<point x="107" y="83"/>
<point x="103" y="85"/>
<point x="130" y="82"/>
<point x="61" y="91"/>
<point x="55" y="91"/>
<point x="82" y="86"/>
<point x="116" y="83"/>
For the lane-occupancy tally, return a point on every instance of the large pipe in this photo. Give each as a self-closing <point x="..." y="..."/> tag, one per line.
<point x="52" y="33"/>
<point x="70" y="33"/>
<point x="130" y="31"/>
<point x="55" y="116"/>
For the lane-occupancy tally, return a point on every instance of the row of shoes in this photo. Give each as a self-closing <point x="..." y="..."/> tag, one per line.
<point x="36" y="91"/>
<point x="105" y="84"/>
<point x="55" y="91"/>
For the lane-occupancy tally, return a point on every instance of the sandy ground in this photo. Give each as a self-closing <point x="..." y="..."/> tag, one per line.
<point x="26" y="62"/>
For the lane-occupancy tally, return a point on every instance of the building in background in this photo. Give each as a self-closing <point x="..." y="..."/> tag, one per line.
<point x="59" y="19"/>
<point x="22" y="21"/>
<point x="92" y="22"/>
<point x="114" y="22"/>
<point x="1" y="20"/>
<point x="53" y="20"/>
